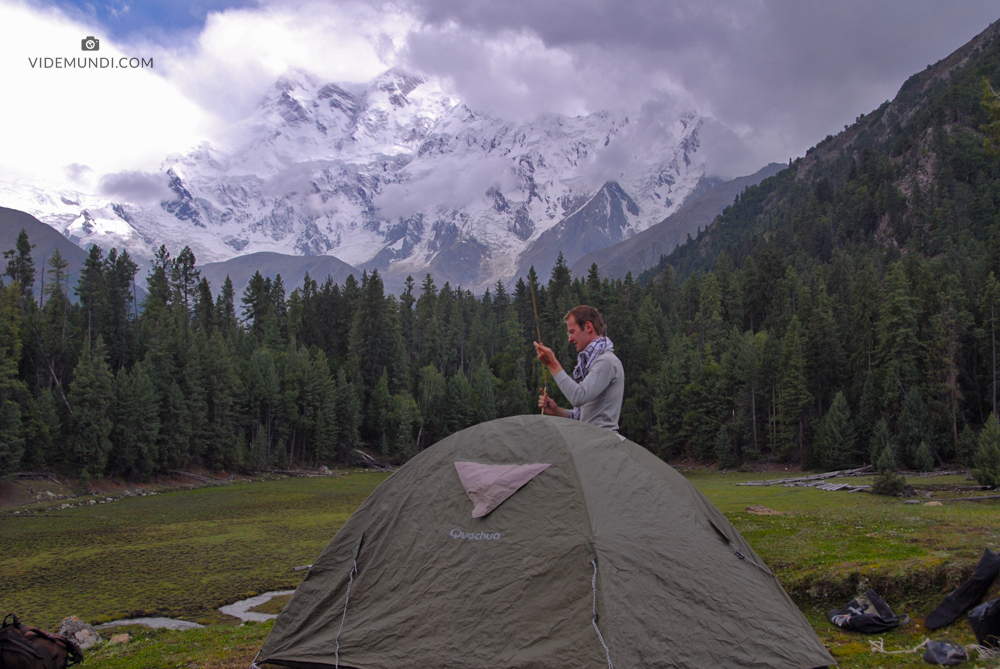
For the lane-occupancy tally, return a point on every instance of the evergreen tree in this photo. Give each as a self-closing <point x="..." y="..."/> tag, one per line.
<point x="793" y="397"/>
<point x="431" y="390"/>
<point x="459" y="405"/>
<point x="484" y="391"/>
<point x="913" y="427"/>
<point x="20" y="266"/>
<point x="348" y="415"/>
<point x="987" y="461"/>
<point x="924" y="461"/>
<point x="379" y="405"/>
<point x="91" y="395"/>
<point x="889" y="481"/>
<point x="120" y="315"/>
<point x="724" y="456"/>
<point x="880" y="440"/>
<point x="404" y="418"/>
<point x="967" y="447"/>
<point x="184" y="279"/>
<point x="91" y="292"/>
<point x="12" y="390"/>
<point x="835" y="441"/>
<point x="135" y="425"/>
<point x="991" y="313"/>
<point x="204" y="313"/>
<point x="898" y="348"/>
<point x="225" y="308"/>
<point x="256" y="303"/>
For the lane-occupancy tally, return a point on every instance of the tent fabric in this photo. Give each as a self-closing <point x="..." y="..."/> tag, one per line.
<point x="608" y="558"/>
<point x="489" y="485"/>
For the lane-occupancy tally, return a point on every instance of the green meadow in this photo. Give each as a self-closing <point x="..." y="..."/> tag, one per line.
<point x="183" y="554"/>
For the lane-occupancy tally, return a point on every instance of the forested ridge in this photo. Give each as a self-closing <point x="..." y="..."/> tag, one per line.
<point x="843" y="311"/>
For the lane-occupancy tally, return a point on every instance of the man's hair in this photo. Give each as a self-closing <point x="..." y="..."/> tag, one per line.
<point x="583" y="315"/>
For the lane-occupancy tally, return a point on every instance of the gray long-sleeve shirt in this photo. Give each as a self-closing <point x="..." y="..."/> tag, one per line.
<point x="599" y="396"/>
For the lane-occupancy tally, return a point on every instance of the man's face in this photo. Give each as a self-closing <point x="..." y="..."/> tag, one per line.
<point x="580" y="337"/>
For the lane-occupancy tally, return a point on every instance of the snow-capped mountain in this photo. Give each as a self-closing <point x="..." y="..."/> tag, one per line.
<point x="400" y="177"/>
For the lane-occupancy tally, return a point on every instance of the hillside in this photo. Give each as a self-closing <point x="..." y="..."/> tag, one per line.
<point x="911" y="176"/>
<point x="44" y="241"/>
<point x="645" y="249"/>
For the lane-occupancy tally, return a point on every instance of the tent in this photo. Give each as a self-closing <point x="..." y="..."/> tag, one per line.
<point x="541" y="542"/>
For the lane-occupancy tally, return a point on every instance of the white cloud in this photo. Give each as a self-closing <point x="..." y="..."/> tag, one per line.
<point x="241" y="52"/>
<point x="107" y="119"/>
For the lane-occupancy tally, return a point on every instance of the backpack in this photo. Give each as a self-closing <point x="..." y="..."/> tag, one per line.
<point x="985" y="621"/>
<point x="26" y="647"/>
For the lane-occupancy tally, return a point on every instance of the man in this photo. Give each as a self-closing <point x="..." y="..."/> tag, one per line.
<point x="598" y="383"/>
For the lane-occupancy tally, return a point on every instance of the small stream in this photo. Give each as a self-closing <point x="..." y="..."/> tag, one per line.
<point x="239" y="610"/>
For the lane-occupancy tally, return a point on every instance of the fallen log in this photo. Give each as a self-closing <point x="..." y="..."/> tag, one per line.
<point x="860" y="471"/>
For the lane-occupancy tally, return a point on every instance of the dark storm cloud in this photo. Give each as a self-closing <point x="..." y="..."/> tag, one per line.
<point x="135" y="186"/>
<point x="774" y="76"/>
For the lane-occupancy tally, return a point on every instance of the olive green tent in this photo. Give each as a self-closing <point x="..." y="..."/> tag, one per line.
<point x="540" y="542"/>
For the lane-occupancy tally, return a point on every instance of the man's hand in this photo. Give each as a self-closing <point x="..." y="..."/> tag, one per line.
<point x="549" y="406"/>
<point x="548" y="358"/>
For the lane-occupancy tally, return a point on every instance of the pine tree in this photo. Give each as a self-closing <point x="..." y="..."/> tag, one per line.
<point x="256" y="303"/>
<point x="204" y="312"/>
<point x="225" y="308"/>
<point x="898" y="349"/>
<point x="987" y="460"/>
<point x="880" y="440"/>
<point x="924" y="461"/>
<point x="825" y="356"/>
<point x="913" y="427"/>
<point x="20" y="266"/>
<point x="431" y="391"/>
<point x="484" y="391"/>
<point x="459" y="404"/>
<point x="404" y="418"/>
<point x="378" y="407"/>
<point x="991" y="314"/>
<point x="91" y="395"/>
<point x="835" y="440"/>
<point x="967" y="447"/>
<point x="91" y="292"/>
<point x="724" y="456"/>
<point x="184" y="279"/>
<point x="136" y="424"/>
<point x="120" y="334"/>
<point x="348" y="415"/>
<point x="793" y="397"/>
<point x="889" y="481"/>
<point x="12" y="390"/>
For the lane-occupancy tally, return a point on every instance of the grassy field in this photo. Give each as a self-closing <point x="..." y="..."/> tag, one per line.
<point x="184" y="554"/>
<point x="179" y="554"/>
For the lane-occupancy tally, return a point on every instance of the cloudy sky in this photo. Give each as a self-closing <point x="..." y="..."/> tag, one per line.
<point x="772" y="77"/>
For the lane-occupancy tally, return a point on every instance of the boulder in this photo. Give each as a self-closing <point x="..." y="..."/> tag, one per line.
<point x="323" y="469"/>
<point x="83" y="634"/>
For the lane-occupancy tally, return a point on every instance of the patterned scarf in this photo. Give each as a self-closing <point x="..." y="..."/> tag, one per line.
<point x="586" y="357"/>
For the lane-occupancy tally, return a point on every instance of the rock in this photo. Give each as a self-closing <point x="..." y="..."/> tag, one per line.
<point x="91" y="502"/>
<point x="50" y="493"/>
<point x="65" y="506"/>
<point x="119" y="638"/>
<point x="83" y="634"/>
<point x="933" y="504"/>
<point x="324" y="469"/>
<point x="912" y="501"/>
<point x="759" y="510"/>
